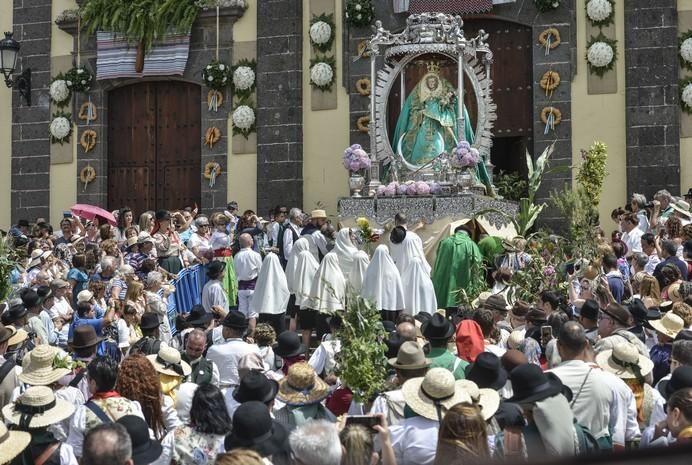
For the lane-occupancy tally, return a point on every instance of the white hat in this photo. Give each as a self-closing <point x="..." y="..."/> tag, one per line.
<point x="145" y="237"/>
<point x="624" y="361"/>
<point x="85" y="296"/>
<point x="37" y="366"/>
<point x="37" y="407"/>
<point x="12" y="443"/>
<point x="434" y="394"/>
<point x="670" y="324"/>
<point x="168" y="362"/>
<point x="37" y="255"/>
<point x="487" y="399"/>
<point x="682" y="207"/>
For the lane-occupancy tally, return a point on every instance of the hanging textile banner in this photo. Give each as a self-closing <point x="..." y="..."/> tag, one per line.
<point x="463" y="7"/>
<point x="115" y="57"/>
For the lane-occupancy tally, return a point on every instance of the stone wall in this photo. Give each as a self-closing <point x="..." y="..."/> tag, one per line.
<point x="653" y="111"/>
<point x="30" y="190"/>
<point x="279" y="103"/>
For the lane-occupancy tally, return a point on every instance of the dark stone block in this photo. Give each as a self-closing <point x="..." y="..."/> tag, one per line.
<point x="279" y="134"/>
<point x="33" y="131"/>
<point x="645" y="116"/>
<point x="278" y="115"/>
<point x="269" y="98"/>
<point x="645" y="96"/>
<point x="33" y="148"/>
<point x="632" y="5"/>
<point x="651" y="37"/>
<point x="646" y="135"/>
<point x="32" y="14"/>
<point x="282" y="171"/>
<point x="35" y="181"/>
<point x="281" y="81"/>
<point x="35" y="31"/>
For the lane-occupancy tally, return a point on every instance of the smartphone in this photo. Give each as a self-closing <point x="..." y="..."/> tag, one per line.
<point x="546" y="332"/>
<point x="67" y="214"/>
<point x="367" y="421"/>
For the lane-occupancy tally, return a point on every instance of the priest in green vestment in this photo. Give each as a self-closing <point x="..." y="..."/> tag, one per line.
<point x="456" y="257"/>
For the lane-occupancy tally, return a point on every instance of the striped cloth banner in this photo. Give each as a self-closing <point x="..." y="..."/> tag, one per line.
<point x="115" y="57"/>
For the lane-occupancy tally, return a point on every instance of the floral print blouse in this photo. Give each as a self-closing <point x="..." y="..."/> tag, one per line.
<point x="195" y="448"/>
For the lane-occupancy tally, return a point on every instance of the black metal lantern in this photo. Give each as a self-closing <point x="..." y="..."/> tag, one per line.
<point x="9" y="50"/>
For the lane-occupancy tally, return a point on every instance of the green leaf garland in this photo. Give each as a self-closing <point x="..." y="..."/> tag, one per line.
<point x="601" y="70"/>
<point x="216" y="75"/>
<point x="546" y="5"/>
<point x="79" y="79"/>
<point x="325" y="18"/>
<point x="359" y="13"/>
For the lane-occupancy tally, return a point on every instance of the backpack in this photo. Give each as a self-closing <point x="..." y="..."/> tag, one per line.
<point x="588" y="444"/>
<point x="146" y="346"/>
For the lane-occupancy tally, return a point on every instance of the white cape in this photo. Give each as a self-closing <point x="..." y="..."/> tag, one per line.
<point x="291" y="275"/>
<point x="410" y="248"/>
<point x="306" y="269"/>
<point x="271" y="291"/>
<point x="328" y="293"/>
<point x="345" y="250"/>
<point x="382" y="282"/>
<point x="360" y="267"/>
<point x="419" y="293"/>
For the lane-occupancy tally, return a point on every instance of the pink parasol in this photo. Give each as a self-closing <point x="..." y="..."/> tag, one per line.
<point x="91" y="211"/>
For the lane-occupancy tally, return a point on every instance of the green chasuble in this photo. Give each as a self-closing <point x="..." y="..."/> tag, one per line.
<point x="490" y="248"/>
<point x="455" y="257"/>
<point x="442" y="358"/>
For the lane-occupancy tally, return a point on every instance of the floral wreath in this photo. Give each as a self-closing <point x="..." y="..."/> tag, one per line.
<point x="60" y="127"/>
<point x="685" y="87"/>
<point x="359" y="13"/>
<point x="550" y="32"/>
<point x="363" y="124"/>
<point x="557" y="115"/>
<point x="244" y="76"/>
<point x="685" y="45"/>
<point x="322" y="32"/>
<point x="79" y="79"/>
<point x="364" y="86"/>
<point x="591" y="54"/>
<point x="59" y="91"/>
<point x="320" y="76"/>
<point x="546" y="5"/>
<point x="216" y="75"/>
<point x="244" y="118"/>
<point x="550" y="81"/>
<point x="212" y="169"/>
<point x="600" y="12"/>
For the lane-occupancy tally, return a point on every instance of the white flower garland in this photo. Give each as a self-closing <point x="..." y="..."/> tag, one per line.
<point x="600" y="54"/>
<point x="60" y="128"/>
<point x="321" y="74"/>
<point x="243" y="117"/>
<point x="599" y="10"/>
<point x="686" y="50"/>
<point x="687" y="95"/>
<point x="243" y="77"/>
<point x="59" y="91"/>
<point x="320" y="32"/>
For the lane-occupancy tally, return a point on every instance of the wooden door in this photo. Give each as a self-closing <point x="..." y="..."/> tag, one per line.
<point x="154" y="146"/>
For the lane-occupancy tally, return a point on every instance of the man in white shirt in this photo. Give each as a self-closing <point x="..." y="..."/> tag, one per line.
<point x="593" y="402"/>
<point x="631" y="234"/>
<point x="291" y="234"/>
<point x="313" y="233"/>
<point x="213" y="294"/>
<point x="227" y="354"/>
<point x="279" y="218"/>
<point x="648" y="242"/>
<point x="247" y="265"/>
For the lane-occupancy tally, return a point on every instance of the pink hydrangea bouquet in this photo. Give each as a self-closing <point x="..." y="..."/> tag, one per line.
<point x="465" y="156"/>
<point x="356" y="159"/>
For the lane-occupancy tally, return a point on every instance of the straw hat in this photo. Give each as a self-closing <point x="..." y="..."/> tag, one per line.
<point x="168" y="362"/>
<point x="145" y="237"/>
<point x="482" y="297"/>
<point x="36" y="257"/>
<point x="17" y="337"/>
<point x="38" y="367"/>
<point x="318" y="214"/>
<point x="302" y="386"/>
<point x="670" y="324"/>
<point x="625" y="361"/>
<point x="84" y="296"/>
<point x="682" y="207"/>
<point x="434" y="394"/>
<point x="12" y="443"/>
<point x="37" y="407"/>
<point x="487" y="399"/>
<point x="6" y="332"/>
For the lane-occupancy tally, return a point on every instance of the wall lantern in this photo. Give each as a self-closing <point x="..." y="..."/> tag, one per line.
<point x="9" y="49"/>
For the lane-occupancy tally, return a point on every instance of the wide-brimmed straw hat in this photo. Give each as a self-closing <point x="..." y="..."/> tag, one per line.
<point x="168" y="362"/>
<point x="682" y="207"/>
<point x="12" y="443"/>
<point x="17" y="337"/>
<point x="6" y="332"/>
<point x="37" y="255"/>
<point x="434" y="394"/>
<point x="670" y="324"/>
<point x="409" y="357"/>
<point x="487" y="399"/>
<point x="625" y="361"/>
<point x="37" y="407"/>
<point x="316" y="214"/>
<point x="302" y="386"/>
<point x="37" y="367"/>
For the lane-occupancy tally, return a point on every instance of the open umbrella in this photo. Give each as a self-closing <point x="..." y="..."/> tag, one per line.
<point x="91" y="211"/>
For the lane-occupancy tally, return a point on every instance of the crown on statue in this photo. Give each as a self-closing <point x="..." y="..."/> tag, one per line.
<point x="433" y="67"/>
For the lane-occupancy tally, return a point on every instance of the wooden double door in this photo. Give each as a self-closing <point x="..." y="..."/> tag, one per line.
<point x="154" y="146"/>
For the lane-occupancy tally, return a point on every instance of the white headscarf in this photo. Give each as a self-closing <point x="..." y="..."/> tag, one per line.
<point x="291" y="276"/>
<point x="382" y="282"/>
<point x="306" y="269"/>
<point x="360" y="267"/>
<point x="409" y="251"/>
<point x="345" y="250"/>
<point x="419" y="293"/>
<point x="271" y="291"/>
<point x="329" y="287"/>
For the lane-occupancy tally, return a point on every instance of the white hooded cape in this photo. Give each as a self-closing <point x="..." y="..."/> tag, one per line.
<point x="271" y="291"/>
<point x="328" y="293"/>
<point x="382" y="282"/>
<point x="419" y="293"/>
<point x="306" y="269"/>
<point x="291" y="275"/>
<point x="360" y="267"/>
<point x="404" y="253"/>
<point x="345" y="250"/>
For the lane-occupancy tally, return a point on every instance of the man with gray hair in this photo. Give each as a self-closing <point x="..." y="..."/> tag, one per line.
<point x="662" y="208"/>
<point x="107" y="444"/>
<point x="316" y="443"/>
<point x="638" y="204"/>
<point x="289" y="234"/>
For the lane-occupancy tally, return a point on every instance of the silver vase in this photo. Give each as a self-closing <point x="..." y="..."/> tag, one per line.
<point x="465" y="181"/>
<point x="356" y="183"/>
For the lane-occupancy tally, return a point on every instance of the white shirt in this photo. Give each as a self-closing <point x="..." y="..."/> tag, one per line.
<point x="651" y="263"/>
<point x="381" y="404"/>
<point x="226" y="357"/>
<point x="49" y="326"/>
<point x="213" y="294"/>
<point x="318" y="244"/>
<point x="623" y="416"/>
<point x="288" y="239"/>
<point x="61" y="307"/>
<point x="633" y="239"/>
<point x="415" y="441"/>
<point x="324" y="358"/>
<point x="247" y="264"/>
<point x="200" y="242"/>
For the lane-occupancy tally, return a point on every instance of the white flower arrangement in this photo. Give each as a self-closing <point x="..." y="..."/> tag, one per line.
<point x="599" y="11"/>
<point x="59" y="92"/>
<point x="60" y="128"/>
<point x="244" y="118"/>
<point x="686" y="50"/>
<point x="600" y="54"/>
<point x="215" y="75"/>
<point x="243" y="78"/>
<point x="322" y="75"/>
<point x="320" y="33"/>
<point x="686" y="97"/>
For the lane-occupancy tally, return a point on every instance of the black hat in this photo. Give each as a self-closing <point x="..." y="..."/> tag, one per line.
<point x="199" y="316"/>
<point x="530" y="384"/>
<point x="31" y="298"/>
<point x="253" y="428"/>
<point x="150" y="320"/>
<point x="44" y="292"/>
<point x="536" y="316"/>
<point x="589" y="310"/>
<point x="23" y="223"/>
<point x="487" y="371"/>
<point x="437" y="327"/>
<point x="680" y="379"/>
<point x="235" y="320"/>
<point x="684" y="335"/>
<point x="232" y="205"/>
<point x="144" y="449"/>
<point x="215" y="268"/>
<point x="689" y="192"/>
<point x="255" y="386"/>
<point x="162" y="215"/>
<point x="85" y="336"/>
<point x="16" y="311"/>
<point x="638" y="310"/>
<point x="397" y="235"/>
<point x="288" y="344"/>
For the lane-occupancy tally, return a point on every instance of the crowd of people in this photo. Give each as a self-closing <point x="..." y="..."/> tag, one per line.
<point x="95" y="369"/>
